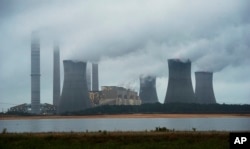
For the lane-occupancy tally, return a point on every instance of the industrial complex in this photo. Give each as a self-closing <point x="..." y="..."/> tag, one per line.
<point x="80" y="88"/>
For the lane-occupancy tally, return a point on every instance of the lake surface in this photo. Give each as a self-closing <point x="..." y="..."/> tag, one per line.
<point x="125" y="124"/>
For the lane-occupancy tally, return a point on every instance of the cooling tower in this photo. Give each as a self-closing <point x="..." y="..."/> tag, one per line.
<point x="180" y="87"/>
<point x="56" y="75"/>
<point x="35" y="73"/>
<point x="204" y="87"/>
<point x="95" y="81"/>
<point x="148" y="89"/>
<point x="75" y="91"/>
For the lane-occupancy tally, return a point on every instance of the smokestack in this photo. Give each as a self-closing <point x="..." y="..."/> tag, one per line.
<point x="95" y="81"/>
<point x="148" y="89"/>
<point x="75" y="91"/>
<point x="180" y="87"/>
<point x="204" y="87"/>
<point x="35" y="73"/>
<point x="56" y="75"/>
<point x="88" y="75"/>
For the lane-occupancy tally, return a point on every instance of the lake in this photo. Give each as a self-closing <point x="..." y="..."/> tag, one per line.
<point x="125" y="124"/>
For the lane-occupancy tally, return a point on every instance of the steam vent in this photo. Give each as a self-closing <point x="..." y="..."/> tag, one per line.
<point x="180" y="89"/>
<point x="75" y="91"/>
<point x="204" y="87"/>
<point x="148" y="89"/>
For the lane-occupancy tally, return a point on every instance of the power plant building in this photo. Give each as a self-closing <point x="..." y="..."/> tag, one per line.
<point x="113" y="95"/>
<point x="95" y="80"/>
<point x="56" y="75"/>
<point x="180" y="89"/>
<point x="148" y="92"/>
<point x="74" y="95"/>
<point x="204" y="87"/>
<point x="35" y="73"/>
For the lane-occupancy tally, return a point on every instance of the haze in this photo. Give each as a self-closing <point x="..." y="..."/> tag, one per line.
<point x="128" y="39"/>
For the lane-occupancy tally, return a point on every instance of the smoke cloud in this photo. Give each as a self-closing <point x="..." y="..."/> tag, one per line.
<point x="127" y="38"/>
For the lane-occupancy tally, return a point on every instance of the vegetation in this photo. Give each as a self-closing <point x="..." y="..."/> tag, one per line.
<point x="124" y="140"/>
<point x="173" y="108"/>
<point x="158" y="108"/>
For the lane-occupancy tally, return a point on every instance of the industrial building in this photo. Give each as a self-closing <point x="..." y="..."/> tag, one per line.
<point x="113" y="95"/>
<point x="180" y="89"/>
<point x="35" y="73"/>
<point x="204" y="87"/>
<point x="74" y="95"/>
<point x="148" y="92"/>
<point x="45" y="109"/>
<point x="56" y="75"/>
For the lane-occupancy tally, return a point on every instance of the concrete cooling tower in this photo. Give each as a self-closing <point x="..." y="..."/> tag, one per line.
<point x="204" y="87"/>
<point x="180" y="89"/>
<point x="75" y="91"/>
<point x="148" y="89"/>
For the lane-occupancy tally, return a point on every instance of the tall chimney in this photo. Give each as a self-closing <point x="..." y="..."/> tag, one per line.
<point x="56" y="75"/>
<point x="35" y="73"/>
<point x="180" y="89"/>
<point x="95" y="80"/>
<point x="204" y="87"/>
<point x="148" y="89"/>
<point x="75" y="91"/>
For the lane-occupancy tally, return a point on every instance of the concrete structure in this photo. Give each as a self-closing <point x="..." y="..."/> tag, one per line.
<point x="113" y="95"/>
<point x="46" y="109"/>
<point x="35" y="73"/>
<point x="88" y="75"/>
<point x="56" y="75"/>
<point x="180" y="89"/>
<point x="95" y="80"/>
<point x="204" y="87"/>
<point x="75" y="91"/>
<point x="148" y="89"/>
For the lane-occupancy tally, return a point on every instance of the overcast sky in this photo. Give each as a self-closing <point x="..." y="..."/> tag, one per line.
<point x="127" y="38"/>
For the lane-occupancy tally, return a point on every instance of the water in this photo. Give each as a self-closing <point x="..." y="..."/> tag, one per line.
<point x="125" y="124"/>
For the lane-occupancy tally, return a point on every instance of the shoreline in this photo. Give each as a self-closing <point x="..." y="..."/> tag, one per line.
<point x="14" y="117"/>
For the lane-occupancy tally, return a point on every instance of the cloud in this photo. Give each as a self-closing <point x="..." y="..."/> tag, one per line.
<point x="127" y="38"/>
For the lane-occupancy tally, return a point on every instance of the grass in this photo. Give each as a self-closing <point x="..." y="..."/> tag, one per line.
<point x="120" y="140"/>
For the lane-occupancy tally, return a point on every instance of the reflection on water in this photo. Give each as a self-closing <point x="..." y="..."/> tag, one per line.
<point x="126" y="124"/>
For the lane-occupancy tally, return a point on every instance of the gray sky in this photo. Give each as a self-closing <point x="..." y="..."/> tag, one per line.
<point x="127" y="38"/>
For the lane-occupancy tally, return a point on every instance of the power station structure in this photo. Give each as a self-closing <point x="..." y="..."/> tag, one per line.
<point x="204" y="87"/>
<point x="95" y="80"/>
<point x="180" y="89"/>
<point x="56" y="75"/>
<point x="88" y="75"/>
<point x="148" y="92"/>
<point x="74" y="95"/>
<point x="35" y="73"/>
<point x="114" y="95"/>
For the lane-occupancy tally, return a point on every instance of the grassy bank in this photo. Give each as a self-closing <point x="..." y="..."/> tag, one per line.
<point x="123" y="140"/>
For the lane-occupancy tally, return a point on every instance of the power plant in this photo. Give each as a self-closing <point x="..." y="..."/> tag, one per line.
<point x="81" y="86"/>
<point x="148" y="89"/>
<point x="56" y="75"/>
<point x="95" y="80"/>
<point x="180" y="89"/>
<point x="75" y="91"/>
<point x="204" y="87"/>
<point x="35" y="73"/>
